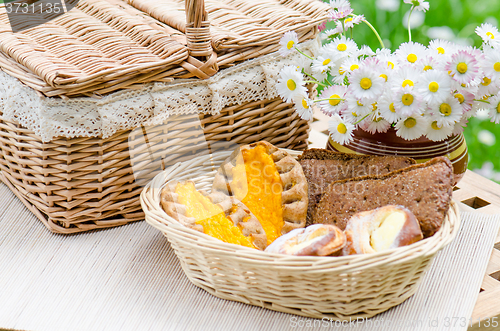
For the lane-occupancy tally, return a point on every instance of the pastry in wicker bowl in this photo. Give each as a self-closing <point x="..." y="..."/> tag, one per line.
<point x="340" y="287"/>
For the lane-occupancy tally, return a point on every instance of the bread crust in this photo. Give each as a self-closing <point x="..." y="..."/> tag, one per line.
<point x="315" y="240"/>
<point x="295" y="192"/>
<point x="234" y="210"/>
<point x="360" y="227"/>
<point x="425" y="189"/>
<point x="322" y="167"/>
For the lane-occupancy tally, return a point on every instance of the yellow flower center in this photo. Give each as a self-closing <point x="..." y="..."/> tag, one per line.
<point x="354" y="67"/>
<point x="289" y="44"/>
<point x="342" y="47"/>
<point x="412" y="58"/>
<point x="489" y="34"/>
<point x="391" y="107"/>
<point x="365" y="83"/>
<point x="410" y="122"/>
<point x="460" y="98"/>
<point x="341" y="71"/>
<point x="445" y="109"/>
<point x="326" y="62"/>
<point x="291" y="85"/>
<point x="334" y="102"/>
<point x="359" y="103"/>
<point x="440" y="50"/>
<point x="462" y="67"/>
<point x="435" y="126"/>
<point x="407" y="82"/>
<point x="384" y="76"/>
<point x="390" y="64"/>
<point x="374" y="106"/>
<point x="407" y="99"/>
<point x="496" y="66"/>
<point x="427" y="68"/>
<point x="304" y="104"/>
<point x="341" y="128"/>
<point x="433" y="86"/>
<point x="486" y="81"/>
<point x="354" y="114"/>
<point x="498" y="108"/>
<point x="348" y="20"/>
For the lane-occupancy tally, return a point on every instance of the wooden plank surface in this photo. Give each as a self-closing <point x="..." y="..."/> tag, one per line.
<point x="474" y="193"/>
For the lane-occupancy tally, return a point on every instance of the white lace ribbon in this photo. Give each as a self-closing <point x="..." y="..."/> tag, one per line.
<point x="88" y="117"/>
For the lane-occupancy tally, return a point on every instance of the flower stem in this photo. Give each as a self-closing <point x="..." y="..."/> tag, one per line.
<point x="485" y="101"/>
<point x="363" y="118"/>
<point x="409" y="28"/>
<point x="376" y="33"/>
<point x="298" y="50"/>
<point x="315" y="82"/>
<point x="318" y="100"/>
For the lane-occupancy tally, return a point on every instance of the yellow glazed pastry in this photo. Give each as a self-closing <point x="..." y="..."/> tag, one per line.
<point x="270" y="183"/>
<point x="217" y="215"/>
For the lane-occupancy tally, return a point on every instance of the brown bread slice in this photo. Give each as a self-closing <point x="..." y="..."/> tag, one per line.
<point x="425" y="189"/>
<point x="322" y="167"/>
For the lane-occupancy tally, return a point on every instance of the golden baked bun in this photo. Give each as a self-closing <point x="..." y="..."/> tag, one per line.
<point x="270" y="183"/>
<point x="381" y="229"/>
<point x="316" y="240"/>
<point x="215" y="214"/>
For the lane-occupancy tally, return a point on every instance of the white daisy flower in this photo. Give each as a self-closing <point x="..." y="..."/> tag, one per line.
<point x="434" y="86"/>
<point x="436" y="132"/>
<point x="407" y="102"/>
<point x="320" y="76"/>
<point x="340" y="130"/>
<point x="365" y="50"/>
<point x="494" y="109"/>
<point x="385" y="106"/>
<point x="488" y="33"/>
<point x="442" y="47"/>
<point x="351" y="21"/>
<point x="333" y="106"/>
<point x="433" y="63"/>
<point x="305" y="63"/>
<point x="411" y="127"/>
<point x="410" y="52"/>
<point x="322" y="63"/>
<point x="331" y="33"/>
<point x="491" y="63"/>
<point x="406" y="75"/>
<point x="303" y="106"/>
<point x="418" y="4"/>
<point x="288" y="43"/>
<point x="447" y="112"/>
<point x="290" y="84"/>
<point x="336" y="4"/>
<point x="376" y="123"/>
<point x="340" y="13"/>
<point x="463" y="67"/>
<point x="366" y="85"/>
<point x="341" y="46"/>
<point x="348" y="66"/>
<point x="464" y="98"/>
<point x="357" y="106"/>
<point x="487" y="88"/>
<point x="458" y="128"/>
<point x="352" y="117"/>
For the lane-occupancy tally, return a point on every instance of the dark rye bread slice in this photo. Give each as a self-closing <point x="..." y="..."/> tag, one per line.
<point x="322" y="167"/>
<point x="425" y="189"/>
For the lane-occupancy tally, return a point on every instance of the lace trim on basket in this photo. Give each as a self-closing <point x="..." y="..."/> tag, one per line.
<point x="90" y="117"/>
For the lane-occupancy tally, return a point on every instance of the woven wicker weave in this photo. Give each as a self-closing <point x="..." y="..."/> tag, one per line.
<point x="101" y="46"/>
<point x="321" y="287"/>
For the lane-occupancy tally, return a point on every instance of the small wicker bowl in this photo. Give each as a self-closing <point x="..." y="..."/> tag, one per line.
<point x="337" y="288"/>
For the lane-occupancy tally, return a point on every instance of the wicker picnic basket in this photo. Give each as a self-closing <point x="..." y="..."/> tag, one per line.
<point x="320" y="287"/>
<point x="111" y="86"/>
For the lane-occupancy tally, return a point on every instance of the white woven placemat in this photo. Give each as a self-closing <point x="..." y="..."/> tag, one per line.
<point x="128" y="278"/>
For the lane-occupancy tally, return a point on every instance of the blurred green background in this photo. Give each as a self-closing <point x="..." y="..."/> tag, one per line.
<point x="453" y="20"/>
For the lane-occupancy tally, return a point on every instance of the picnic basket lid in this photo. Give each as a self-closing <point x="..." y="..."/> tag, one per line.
<point x="101" y="46"/>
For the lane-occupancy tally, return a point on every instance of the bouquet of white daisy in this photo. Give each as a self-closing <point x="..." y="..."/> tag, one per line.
<point x="417" y="90"/>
